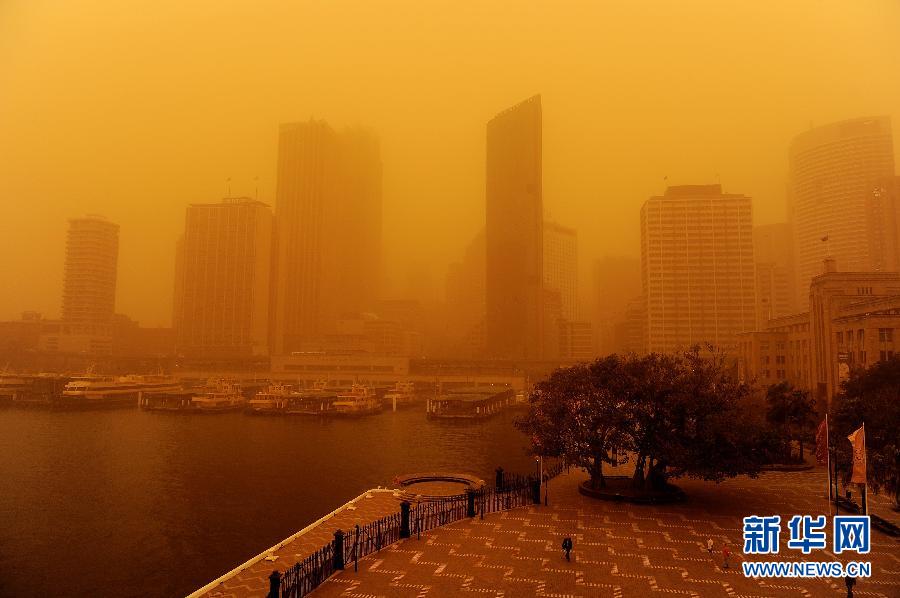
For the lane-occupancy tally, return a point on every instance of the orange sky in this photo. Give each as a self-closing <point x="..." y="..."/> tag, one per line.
<point x="134" y="109"/>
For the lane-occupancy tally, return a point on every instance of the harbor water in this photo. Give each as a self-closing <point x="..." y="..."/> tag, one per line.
<point x="134" y="503"/>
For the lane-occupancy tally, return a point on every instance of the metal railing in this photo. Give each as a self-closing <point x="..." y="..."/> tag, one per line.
<point x="308" y="574"/>
<point x="357" y="543"/>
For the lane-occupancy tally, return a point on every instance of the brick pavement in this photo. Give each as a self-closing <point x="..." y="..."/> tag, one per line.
<point x="620" y="549"/>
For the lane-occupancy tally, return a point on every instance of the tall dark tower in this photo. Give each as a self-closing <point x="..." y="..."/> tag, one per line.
<point x="514" y="233"/>
<point x="328" y="221"/>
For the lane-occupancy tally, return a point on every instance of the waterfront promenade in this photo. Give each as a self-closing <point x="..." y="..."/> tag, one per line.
<point x="620" y="549"/>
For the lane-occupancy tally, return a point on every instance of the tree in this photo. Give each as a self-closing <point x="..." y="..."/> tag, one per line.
<point x="675" y="415"/>
<point x="871" y="396"/>
<point x="793" y="411"/>
<point x="575" y="414"/>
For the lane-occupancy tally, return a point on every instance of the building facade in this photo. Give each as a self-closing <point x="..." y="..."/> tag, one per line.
<point x="835" y="209"/>
<point x="465" y="300"/>
<point x="89" y="286"/>
<point x="561" y="266"/>
<point x="772" y="253"/>
<point x="697" y="268"/>
<point x="222" y="306"/>
<point x="617" y="311"/>
<point x="851" y="324"/>
<point x="514" y="233"/>
<point x="329" y="216"/>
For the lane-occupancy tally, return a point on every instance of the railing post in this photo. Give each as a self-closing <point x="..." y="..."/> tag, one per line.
<point x="536" y="491"/>
<point x="470" y="502"/>
<point x="274" y="584"/>
<point x="499" y="481"/>
<point x="404" y="519"/>
<point x="356" y="550"/>
<point x="339" y="550"/>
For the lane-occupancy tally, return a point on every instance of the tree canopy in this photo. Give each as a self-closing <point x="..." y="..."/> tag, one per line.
<point x="793" y="411"/>
<point x="871" y="396"/>
<point x="671" y="415"/>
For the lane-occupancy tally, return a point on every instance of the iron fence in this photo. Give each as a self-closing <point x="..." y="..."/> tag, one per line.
<point x="515" y="491"/>
<point x="308" y="574"/>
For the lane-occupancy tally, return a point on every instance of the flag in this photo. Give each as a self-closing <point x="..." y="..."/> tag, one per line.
<point x="858" y="440"/>
<point x="825" y="238"/>
<point x="822" y="443"/>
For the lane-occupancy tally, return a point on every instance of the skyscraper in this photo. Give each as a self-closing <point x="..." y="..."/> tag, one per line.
<point x="772" y="253"/>
<point x="89" y="286"/>
<point x="465" y="301"/>
<point x="224" y="280"/>
<point x="834" y="171"/>
<point x="328" y="214"/>
<point x="697" y="267"/>
<point x="561" y="266"/>
<point x="514" y="233"/>
<point x="617" y="305"/>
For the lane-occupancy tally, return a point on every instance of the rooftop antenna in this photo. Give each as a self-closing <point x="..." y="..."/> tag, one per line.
<point x="256" y="180"/>
<point x="228" y="187"/>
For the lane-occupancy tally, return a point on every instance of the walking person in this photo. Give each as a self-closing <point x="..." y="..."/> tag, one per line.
<point x="567" y="546"/>
<point x="709" y="545"/>
<point x="726" y="554"/>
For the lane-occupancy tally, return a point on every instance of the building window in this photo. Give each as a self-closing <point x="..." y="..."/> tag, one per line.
<point x="861" y="336"/>
<point x="862" y="357"/>
<point x="885" y="335"/>
<point x="840" y="338"/>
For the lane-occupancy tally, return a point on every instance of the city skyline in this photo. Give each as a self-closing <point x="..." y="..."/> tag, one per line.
<point x="610" y="138"/>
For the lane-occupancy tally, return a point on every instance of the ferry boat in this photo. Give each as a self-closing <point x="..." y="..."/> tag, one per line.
<point x="11" y="386"/>
<point x="360" y="400"/>
<point x="91" y="391"/>
<point x="402" y="394"/>
<point x="311" y="402"/>
<point x="270" y="401"/>
<point x="222" y="396"/>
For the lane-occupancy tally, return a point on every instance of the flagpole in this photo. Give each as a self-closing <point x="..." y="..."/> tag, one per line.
<point x="828" y="458"/>
<point x="866" y="481"/>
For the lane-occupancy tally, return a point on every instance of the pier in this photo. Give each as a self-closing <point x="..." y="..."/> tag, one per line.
<point x="470" y="403"/>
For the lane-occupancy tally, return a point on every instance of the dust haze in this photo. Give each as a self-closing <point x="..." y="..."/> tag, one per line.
<point x="134" y="110"/>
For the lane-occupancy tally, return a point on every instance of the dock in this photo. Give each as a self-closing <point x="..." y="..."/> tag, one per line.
<point x="470" y="403"/>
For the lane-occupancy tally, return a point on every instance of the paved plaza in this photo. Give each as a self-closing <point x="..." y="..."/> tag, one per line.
<point x="254" y="580"/>
<point x="620" y="549"/>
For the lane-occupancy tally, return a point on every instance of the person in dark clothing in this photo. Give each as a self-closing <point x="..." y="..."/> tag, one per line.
<point x="567" y="546"/>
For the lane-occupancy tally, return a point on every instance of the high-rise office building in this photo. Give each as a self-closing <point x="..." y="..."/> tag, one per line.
<point x="561" y="266"/>
<point x="772" y="253"/>
<point x="464" y="296"/>
<point x="224" y="280"/>
<point x="834" y="171"/>
<point x="92" y="255"/>
<point x="616" y="299"/>
<point x="89" y="285"/>
<point x="328" y="212"/>
<point x="697" y="268"/>
<point x="514" y="292"/>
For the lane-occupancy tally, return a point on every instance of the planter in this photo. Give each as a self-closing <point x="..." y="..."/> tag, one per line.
<point x="618" y="489"/>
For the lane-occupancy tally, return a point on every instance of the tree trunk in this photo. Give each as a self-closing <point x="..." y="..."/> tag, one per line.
<point x="656" y="479"/>
<point x="637" y="480"/>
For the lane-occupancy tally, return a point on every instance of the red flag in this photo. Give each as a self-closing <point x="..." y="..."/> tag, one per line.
<point x="858" y="440"/>
<point x="822" y="443"/>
